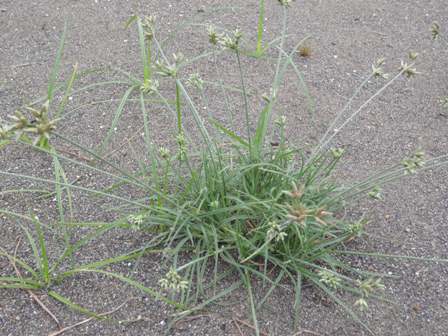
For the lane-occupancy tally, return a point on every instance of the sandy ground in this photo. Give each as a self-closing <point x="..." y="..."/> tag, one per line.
<point x="347" y="36"/>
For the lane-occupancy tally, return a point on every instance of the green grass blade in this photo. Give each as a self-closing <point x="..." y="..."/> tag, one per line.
<point x="391" y="256"/>
<point x="246" y="103"/>
<point x="298" y="299"/>
<point x="198" y="120"/>
<point x="232" y="135"/>
<point x="21" y="263"/>
<point x="88" y="190"/>
<point x="130" y="21"/>
<point x="302" y="84"/>
<point x="271" y="289"/>
<point x="116" y="118"/>
<point x="4" y="143"/>
<point x="71" y="248"/>
<point x="252" y="303"/>
<point x="56" y="66"/>
<point x="72" y="305"/>
<point x="137" y="285"/>
<point x="109" y="261"/>
<point x="17" y="286"/>
<point x="58" y="190"/>
<point x="67" y="93"/>
<point x="210" y="300"/>
<point x="43" y="252"/>
<point x="352" y="314"/>
<point x="265" y="114"/>
<point x="34" y="248"/>
<point x="262" y="127"/>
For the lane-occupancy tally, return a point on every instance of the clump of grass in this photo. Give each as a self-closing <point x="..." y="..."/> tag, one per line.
<point x="236" y="206"/>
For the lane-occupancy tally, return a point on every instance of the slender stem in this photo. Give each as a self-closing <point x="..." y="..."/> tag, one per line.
<point x="131" y="178"/>
<point x="323" y="144"/>
<point x="224" y="92"/>
<point x="92" y="191"/>
<point x="246" y="104"/>
<point x="178" y="109"/>
<point x="389" y="176"/>
<point x="149" y="148"/>
<point x="346" y="107"/>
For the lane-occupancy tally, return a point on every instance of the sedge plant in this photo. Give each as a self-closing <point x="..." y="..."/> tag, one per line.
<point x="238" y="207"/>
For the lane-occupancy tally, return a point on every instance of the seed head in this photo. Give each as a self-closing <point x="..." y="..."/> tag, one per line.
<point x="148" y="27"/>
<point x="377" y="69"/>
<point x="4" y="132"/>
<point x="164" y="153"/>
<point x="196" y="81"/>
<point x="280" y="121"/>
<point x="231" y="42"/>
<point x="180" y="139"/>
<point x="149" y="86"/>
<point x="408" y="69"/>
<point x="320" y="214"/>
<point x="285" y="3"/>
<point x="149" y="21"/>
<point x="361" y="303"/>
<point x="413" y="55"/>
<point x="295" y="193"/>
<point x="366" y="288"/>
<point x="413" y="163"/>
<point x="136" y="221"/>
<point x="213" y="36"/>
<point x="435" y="30"/>
<point x="356" y="229"/>
<point x="370" y="285"/>
<point x="375" y="193"/>
<point x="298" y="213"/>
<point x="173" y="282"/>
<point x="41" y="125"/>
<point x="178" y="58"/>
<point x="165" y="69"/>
<point x="337" y="152"/>
<point x="329" y="278"/>
<point x="20" y="121"/>
<point x="275" y="232"/>
<point x="269" y="97"/>
<point x="444" y="102"/>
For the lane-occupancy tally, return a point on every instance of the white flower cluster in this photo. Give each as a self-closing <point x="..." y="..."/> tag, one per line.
<point x="173" y="281"/>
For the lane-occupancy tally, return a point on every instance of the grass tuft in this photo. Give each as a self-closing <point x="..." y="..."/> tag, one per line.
<point x="233" y="205"/>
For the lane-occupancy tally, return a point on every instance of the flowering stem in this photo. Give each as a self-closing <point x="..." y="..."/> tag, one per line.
<point x="389" y="175"/>
<point x="246" y="105"/>
<point x="178" y="109"/>
<point x="323" y="144"/>
<point x="345" y="108"/>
